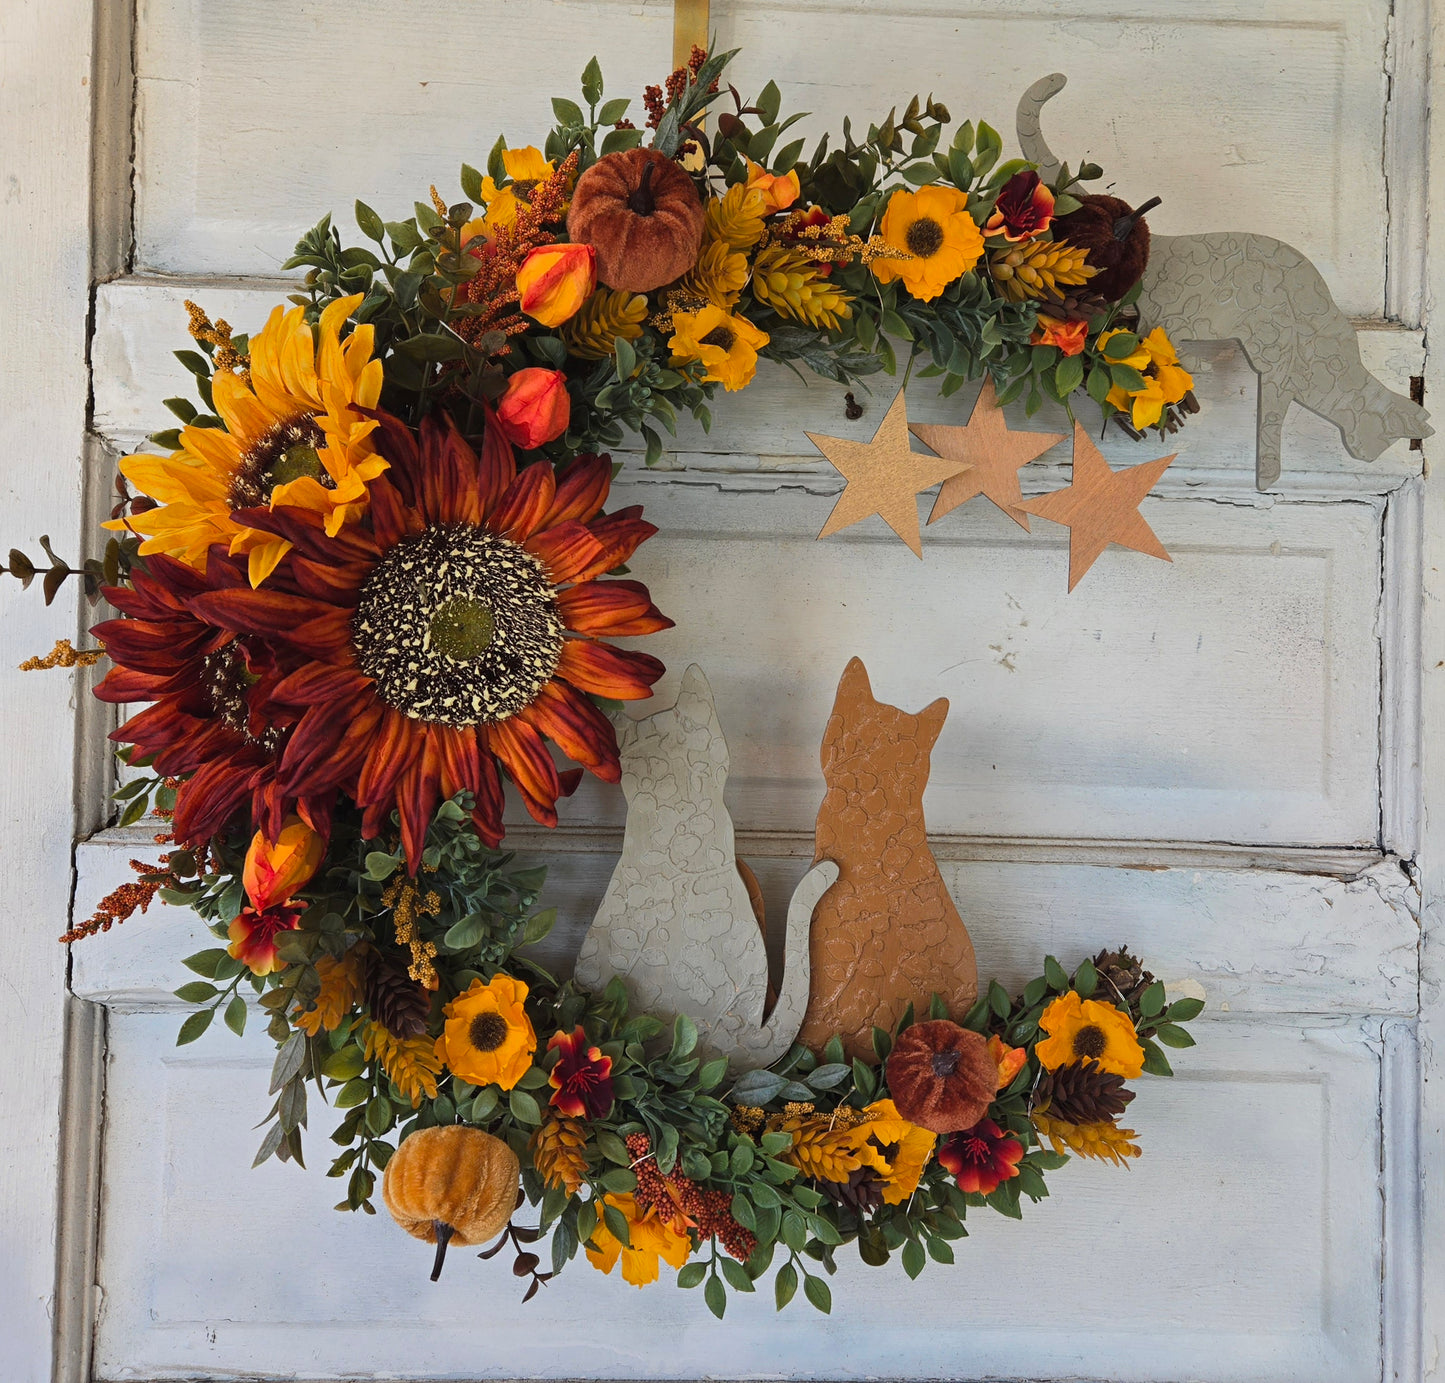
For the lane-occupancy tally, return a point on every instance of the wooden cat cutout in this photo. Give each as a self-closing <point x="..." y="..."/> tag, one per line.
<point x="677" y="922"/>
<point x="887" y="932"/>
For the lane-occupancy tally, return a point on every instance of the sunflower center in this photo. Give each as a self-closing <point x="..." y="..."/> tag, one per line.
<point x="1089" y="1041"/>
<point x="457" y="626"/>
<point x="924" y="237"/>
<point x="227" y="680"/>
<point x="721" y="337"/>
<point x="289" y="451"/>
<point x="487" y="1032"/>
<point x="463" y="628"/>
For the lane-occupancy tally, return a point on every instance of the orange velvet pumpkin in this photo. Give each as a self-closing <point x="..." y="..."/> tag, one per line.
<point x="941" y="1076"/>
<point x="641" y="214"/>
<point x="451" y="1183"/>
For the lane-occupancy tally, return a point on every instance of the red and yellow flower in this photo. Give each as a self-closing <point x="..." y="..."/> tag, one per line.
<point x="981" y="1158"/>
<point x="582" y="1078"/>
<point x="1023" y="209"/>
<point x="294" y="433"/>
<point x="555" y="280"/>
<point x="451" y="635"/>
<point x="274" y="871"/>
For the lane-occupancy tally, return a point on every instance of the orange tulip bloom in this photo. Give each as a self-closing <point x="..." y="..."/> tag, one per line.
<point x="535" y="409"/>
<point x="273" y="872"/>
<point x="555" y="280"/>
<point x="778" y="190"/>
<point x="1009" y="1060"/>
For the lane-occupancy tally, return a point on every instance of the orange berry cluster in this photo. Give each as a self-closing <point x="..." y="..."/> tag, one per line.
<point x="708" y="1211"/>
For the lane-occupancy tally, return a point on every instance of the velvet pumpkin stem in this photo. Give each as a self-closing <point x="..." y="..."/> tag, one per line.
<point x="1125" y="224"/>
<point x="444" y="1237"/>
<point x="642" y="201"/>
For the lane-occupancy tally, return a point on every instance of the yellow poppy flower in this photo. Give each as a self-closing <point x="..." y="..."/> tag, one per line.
<point x="727" y="345"/>
<point x="934" y="227"/>
<point x="488" y="1038"/>
<point x="650" y="1237"/>
<point x="292" y="435"/>
<point x="526" y="164"/>
<point x="1165" y="381"/>
<point x="1083" y="1029"/>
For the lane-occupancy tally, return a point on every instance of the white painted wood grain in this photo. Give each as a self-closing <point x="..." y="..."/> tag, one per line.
<point x="1258" y="941"/>
<point x="45" y="66"/>
<point x="141" y="321"/>
<point x="1242" y="115"/>
<point x="1243" y="1245"/>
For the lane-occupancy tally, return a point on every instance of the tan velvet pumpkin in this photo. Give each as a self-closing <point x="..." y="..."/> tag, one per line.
<point x="641" y="214"/>
<point x="451" y="1184"/>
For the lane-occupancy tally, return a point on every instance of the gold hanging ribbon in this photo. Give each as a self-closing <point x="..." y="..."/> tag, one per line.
<point x="689" y="28"/>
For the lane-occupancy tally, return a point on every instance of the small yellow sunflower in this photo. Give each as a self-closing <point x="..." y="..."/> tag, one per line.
<point x="650" y="1238"/>
<point x="727" y="345"/>
<point x="488" y="1038"/>
<point x="903" y="1149"/>
<point x="525" y="167"/>
<point x="1165" y="380"/>
<point x="292" y="436"/>
<point x="934" y="227"/>
<point x="1084" y="1028"/>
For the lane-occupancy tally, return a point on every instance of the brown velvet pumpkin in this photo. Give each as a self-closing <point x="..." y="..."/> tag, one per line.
<point x="641" y="214"/>
<point x="1113" y="236"/>
<point x="941" y="1076"/>
<point x="451" y="1183"/>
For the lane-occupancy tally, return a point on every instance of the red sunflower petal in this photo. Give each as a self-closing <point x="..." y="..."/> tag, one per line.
<point x="620" y="535"/>
<point x="319" y="682"/>
<point x="416" y="799"/>
<point x="468" y="767"/>
<point x="611" y="607"/>
<point x="388" y="756"/>
<point x="616" y="673"/>
<point x="499" y="463"/>
<point x="524" y="756"/>
<point x="207" y="800"/>
<point x="577" y="727"/>
<point x="564" y="550"/>
<point x="582" y="487"/>
<point x="520" y="511"/>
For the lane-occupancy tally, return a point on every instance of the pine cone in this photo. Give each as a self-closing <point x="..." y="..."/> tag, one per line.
<point x="1037" y="267"/>
<point x="609" y="313"/>
<point x="1122" y="977"/>
<point x="788" y="281"/>
<point x="862" y="1193"/>
<point x="1082" y="1093"/>
<point x="558" y="1154"/>
<point x="1073" y="304"/>
<point x="395" y="1000"/>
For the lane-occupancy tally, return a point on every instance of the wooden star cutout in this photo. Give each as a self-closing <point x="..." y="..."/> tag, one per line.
<point x="1102" y="506"/>
<point x="885" y="477"/>
<point x="991" y="453"/>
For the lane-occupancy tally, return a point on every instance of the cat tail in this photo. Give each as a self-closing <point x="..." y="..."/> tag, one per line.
<point x="777" y="1035"/>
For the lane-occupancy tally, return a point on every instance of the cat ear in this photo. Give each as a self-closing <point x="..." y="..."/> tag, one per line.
<point x="694" y="697"/>
<point x="930" y="721"/>
<point x="853" y="685"/>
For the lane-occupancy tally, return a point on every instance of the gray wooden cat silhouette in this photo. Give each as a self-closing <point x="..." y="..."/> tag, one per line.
<point x="1234" y="286"/>
<point x="676" y="923"/>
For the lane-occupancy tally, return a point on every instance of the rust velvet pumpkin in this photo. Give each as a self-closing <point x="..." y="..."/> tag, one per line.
<point x="641" y="214"/>
<point x="941" y="1076"/>
<point x="451" y="1183"/>
<point x="1114" y="238"/>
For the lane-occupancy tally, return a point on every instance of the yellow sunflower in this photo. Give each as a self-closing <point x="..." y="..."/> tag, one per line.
<point x="903" y="1149"/>
<point x="292" y="436"/>
<point x="488" y="1038"/>
<point x="934" y="227"/>
<point x="650" y="1238"/>
<point x="1080" y="1029"/>
<point x="525" y="167"/>
<point x="1165" y="380"/>
<point x="727" y="345"/>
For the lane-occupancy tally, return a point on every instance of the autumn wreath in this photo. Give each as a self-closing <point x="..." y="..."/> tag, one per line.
<point x="375" y="578"/>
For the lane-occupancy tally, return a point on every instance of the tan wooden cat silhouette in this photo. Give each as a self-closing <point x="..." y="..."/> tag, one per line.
<point x="887" y="932"/>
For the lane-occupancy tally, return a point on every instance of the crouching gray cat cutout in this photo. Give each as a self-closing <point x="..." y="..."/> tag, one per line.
<point x="1234" y="286"/>
<point x="677" y="923"/>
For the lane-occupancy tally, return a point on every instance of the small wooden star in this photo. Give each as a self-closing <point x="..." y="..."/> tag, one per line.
<point x="1102" y="506"/>
<point x="885" y="477"/>
<point x="992" y="454"/>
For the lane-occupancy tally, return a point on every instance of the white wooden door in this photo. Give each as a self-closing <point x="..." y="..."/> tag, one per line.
<point x="1219" y="760"/>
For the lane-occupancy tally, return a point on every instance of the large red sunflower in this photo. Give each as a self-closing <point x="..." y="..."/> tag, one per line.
<point x="212" y="723"/>
<point x="431" y="645"/>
